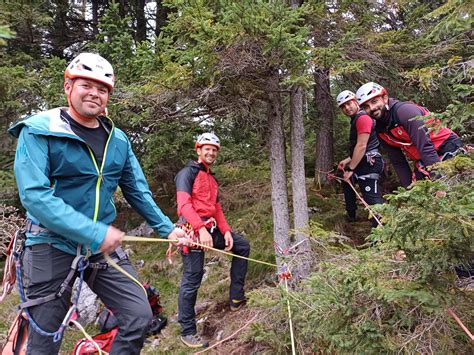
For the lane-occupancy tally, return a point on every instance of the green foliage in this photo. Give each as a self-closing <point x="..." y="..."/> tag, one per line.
<point x="376" y="300"/>
<point x="5" y="33"/>
<point x="432" y="221"/>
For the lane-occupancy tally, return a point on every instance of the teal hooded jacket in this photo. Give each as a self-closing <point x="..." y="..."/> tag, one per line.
<point x="64" y="190"/>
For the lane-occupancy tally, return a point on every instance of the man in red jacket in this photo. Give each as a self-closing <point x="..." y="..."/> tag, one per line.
<point x="198" y="205"/>
<point x="403" y="136"/>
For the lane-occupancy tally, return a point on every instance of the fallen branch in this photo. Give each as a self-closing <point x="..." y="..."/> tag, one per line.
<point x="230" y="336"/>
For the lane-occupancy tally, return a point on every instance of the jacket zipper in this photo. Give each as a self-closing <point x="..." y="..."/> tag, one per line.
<point x="99" y="172"/>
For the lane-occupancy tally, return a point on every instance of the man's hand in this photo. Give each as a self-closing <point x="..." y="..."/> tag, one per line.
<point x="347" y="175"/>
<point x="229" y="241"/>
<point x="113" y="239"/>
<point x="179" y="235"/>
<point x="205" y="238"/>
<point x="342" y="164"/>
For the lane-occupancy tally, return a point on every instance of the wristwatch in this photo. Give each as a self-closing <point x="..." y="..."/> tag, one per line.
<point x="349" y="168"/>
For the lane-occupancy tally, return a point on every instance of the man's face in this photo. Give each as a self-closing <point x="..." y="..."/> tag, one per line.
<point x="207" y="154"/>
<point x="375" y="107"/>
<point x="89" y="97"/>
<point x="349" y="108"/>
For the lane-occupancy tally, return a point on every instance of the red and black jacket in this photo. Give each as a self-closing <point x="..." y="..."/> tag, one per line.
<point x="400" y="133"/>
<point x="397" y="134"/>
<point x="197" y="196"/>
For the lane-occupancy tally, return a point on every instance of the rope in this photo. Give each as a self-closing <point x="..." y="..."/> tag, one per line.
<point x="57" y="335"/>
<point x="88" y="337"/>
<point x="366" y="205"/>
<point x="129" y="238"/>
<point x="120" y="269"/>
<point x="463" y="327"/>
<point x="285" y="277"/>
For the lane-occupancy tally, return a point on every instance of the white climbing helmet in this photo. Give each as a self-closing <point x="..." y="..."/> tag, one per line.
<point x="345" y="96"/>
<point x="91" y="66"/>
<point x="369" y="91"/>
<point x="208" y="138"/>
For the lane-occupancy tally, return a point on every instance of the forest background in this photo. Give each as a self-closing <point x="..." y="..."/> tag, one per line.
<point x="263" y="76"/>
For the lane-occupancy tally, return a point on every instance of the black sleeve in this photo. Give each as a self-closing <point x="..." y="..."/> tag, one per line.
<point x="185" y="179"/>
<point x="418" y="134"/>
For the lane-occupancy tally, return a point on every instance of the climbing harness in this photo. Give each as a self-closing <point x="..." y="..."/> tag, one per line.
<point x="14" y="248"/>
<point x="174" y="249"/>
<point x="79" y="263"/>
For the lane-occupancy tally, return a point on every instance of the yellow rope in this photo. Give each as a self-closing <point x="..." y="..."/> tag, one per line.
<point x="119" y="268"/>
<point x="129" y="238"/>
<point x="293" y="350"/>
<point x="88" y="337"/>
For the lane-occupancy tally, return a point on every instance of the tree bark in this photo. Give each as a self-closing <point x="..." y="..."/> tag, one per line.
<point x="325" y="120"/>
<point x="95" y="18"/>
<point x="140" y="33"/>
<point x="161" y="17"/>
<point x="298" y="180"/>
<point x="302" y="266"/>
<point x="281" y="218"/>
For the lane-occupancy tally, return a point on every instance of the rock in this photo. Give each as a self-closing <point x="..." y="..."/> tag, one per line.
<point x="143" y="230"/>
<point x="201" y="320"/>
<point x="88" y="304"/>
<point x="202" y="306"/>
<point x="219" y="335"/>
<point x="206" y="274"/>
<point x="155" y="343"/>
<point x="139" y="264"/>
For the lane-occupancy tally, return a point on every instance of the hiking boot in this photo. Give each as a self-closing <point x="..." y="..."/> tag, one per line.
<point x="235" y="305"/>
<point x="351" y="216"/>
<point x="194" y="341"/>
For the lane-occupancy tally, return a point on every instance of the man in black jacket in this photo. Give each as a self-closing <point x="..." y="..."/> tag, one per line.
<point x="364" y="164"/>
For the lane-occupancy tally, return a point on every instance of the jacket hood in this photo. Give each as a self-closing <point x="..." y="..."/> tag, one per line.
<point x="49" y="123"/>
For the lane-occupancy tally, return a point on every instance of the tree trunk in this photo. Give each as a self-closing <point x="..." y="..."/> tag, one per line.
<point x="281" y="218"/>
<point x="123" y="8"/>
<point x="95" y="18"/>
<point x="140" y="33"/>
<point x="325" y="119"/>
<point x="298" y="183"/>
<point x="161" y="17"/>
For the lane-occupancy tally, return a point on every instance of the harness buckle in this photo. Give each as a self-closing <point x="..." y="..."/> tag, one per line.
<point x="99" y="266"/>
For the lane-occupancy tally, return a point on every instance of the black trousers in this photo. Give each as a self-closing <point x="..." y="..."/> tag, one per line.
<point x="193" y="271"/>
<point x="45" y="268"/>
<point x="369" y="187"/>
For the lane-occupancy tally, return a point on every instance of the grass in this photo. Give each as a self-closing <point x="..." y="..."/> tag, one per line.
<point x="245" y="196"/>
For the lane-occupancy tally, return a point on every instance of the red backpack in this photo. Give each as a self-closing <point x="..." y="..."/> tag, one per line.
<point x="109" y="327"/>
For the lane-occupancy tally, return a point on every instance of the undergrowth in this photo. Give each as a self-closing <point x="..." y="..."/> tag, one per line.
<point x="378" y="299"/>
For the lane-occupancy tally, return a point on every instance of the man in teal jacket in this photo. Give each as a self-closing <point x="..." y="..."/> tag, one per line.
<point x="68" y="164"/>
